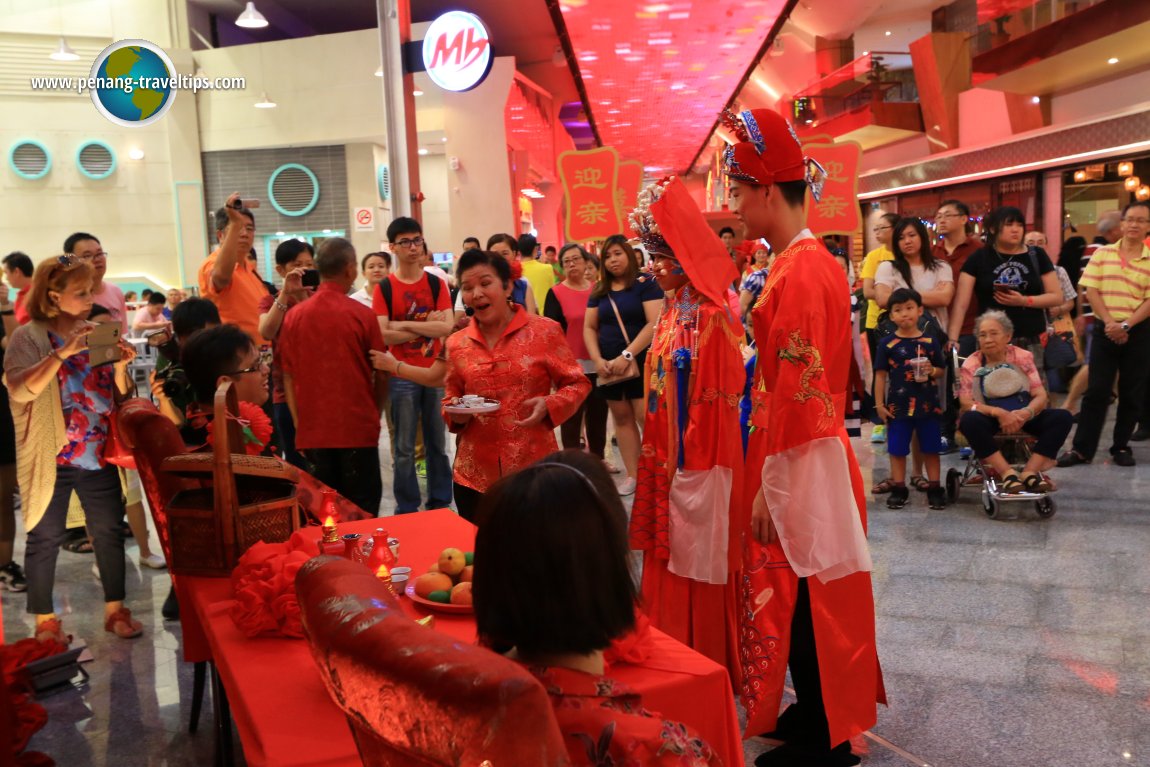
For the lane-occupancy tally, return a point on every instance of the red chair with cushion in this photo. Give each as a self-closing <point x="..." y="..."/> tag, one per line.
<point x="152" y="438"/>
<point x="413" y="696"/>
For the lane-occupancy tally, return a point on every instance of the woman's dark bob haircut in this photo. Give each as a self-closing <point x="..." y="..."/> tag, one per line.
<point x="473" y="258"/>
<point x="552" y="568"/>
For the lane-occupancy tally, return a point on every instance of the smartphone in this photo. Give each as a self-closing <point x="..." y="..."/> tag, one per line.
<point x="104" y="343"/>
<point x="158" y="337"/>
<point x="249" y="204"/>
<point x="1004" y="286"/>
<point x="310" y="278"/>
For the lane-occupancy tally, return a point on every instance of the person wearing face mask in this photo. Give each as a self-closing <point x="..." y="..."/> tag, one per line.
<point x="62" y="406"/>
<point x="688" y="519"/>
<point x="1008" y="276"/>
<point x="506" y="354"/>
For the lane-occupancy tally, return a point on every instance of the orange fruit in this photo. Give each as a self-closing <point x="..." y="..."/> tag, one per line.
<point x="452" y="562"/>
<point x="465" y="576"/>
<point x="461" y="594"/>
<point x="429" y="582"/>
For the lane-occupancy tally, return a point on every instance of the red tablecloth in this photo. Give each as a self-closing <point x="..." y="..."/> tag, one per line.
<point x="285" y="717"/>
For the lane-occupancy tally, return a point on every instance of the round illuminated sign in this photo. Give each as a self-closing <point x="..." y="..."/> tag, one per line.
<point x="457" y="51"/>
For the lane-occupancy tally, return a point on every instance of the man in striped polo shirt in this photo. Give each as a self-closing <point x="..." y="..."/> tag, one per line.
<point x="1117" y="284"/>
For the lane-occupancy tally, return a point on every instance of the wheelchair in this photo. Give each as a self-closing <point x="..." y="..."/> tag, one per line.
<point x="1016" y="449"/>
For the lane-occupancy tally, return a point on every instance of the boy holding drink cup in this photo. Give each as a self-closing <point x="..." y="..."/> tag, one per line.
<point x="911" y="361"/>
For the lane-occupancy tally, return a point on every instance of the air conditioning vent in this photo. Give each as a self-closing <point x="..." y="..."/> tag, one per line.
<point x="96" y="160"/>
<point x="384" y="183"/>
<point x="30" y="160"/>
<point x="293" y="190"/>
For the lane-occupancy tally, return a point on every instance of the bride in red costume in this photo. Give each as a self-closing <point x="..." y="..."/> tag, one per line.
<point x="806" y="587"/>
<point x="686" y="517"/>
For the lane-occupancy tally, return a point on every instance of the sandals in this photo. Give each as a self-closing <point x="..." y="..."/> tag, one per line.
<point x="52" y="630"/>
<point x="883" y="487"/>
<point x="78" y="546"/>
<point x="122" y="625"/>
<point x="1011" y="484"/>
<point x="921" y="484"/>
<point x="1036" y="483"/>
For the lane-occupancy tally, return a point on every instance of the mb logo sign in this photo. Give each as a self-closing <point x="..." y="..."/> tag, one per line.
<point x="457" y="51"/>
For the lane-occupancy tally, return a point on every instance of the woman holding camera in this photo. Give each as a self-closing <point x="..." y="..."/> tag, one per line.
<point x="61" y="405"/>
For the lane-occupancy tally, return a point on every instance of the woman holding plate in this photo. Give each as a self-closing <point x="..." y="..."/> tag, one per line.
<point x="505" y="355"/>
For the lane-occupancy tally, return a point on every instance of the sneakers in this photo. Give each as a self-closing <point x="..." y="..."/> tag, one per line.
<point x="154" y="561"/>
<point x="12" y="577"/>
<point x="899" y="495"/>
<point x="936" y="497"/>
<point x="878" y="434"/>
<point x="1073" y="458"/>
<point x="1123" y="456"/>
<point x="948" y="446"/>
<point x="627" y="486"/>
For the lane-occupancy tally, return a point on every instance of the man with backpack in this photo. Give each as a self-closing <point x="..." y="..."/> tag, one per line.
<point x="414" y="310"/>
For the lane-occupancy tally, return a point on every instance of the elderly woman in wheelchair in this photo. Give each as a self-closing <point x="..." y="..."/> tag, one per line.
<point x="1001" y="393"/>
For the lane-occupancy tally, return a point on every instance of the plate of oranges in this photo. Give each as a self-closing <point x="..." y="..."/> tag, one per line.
<point x="446" y="586"/>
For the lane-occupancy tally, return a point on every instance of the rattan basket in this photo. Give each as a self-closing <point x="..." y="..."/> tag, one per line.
<point x="248" y="499"/>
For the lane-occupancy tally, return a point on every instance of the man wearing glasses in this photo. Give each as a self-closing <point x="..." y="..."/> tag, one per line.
<point x="954" y="246"/>
<point x="227" y="278"/>
<point x="87" y="248"/>
<point x="1117" y="284"/>
<point x="414" y="310"/>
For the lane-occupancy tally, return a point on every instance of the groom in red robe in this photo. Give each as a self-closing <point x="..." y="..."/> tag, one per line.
<point x="806" y="587"/>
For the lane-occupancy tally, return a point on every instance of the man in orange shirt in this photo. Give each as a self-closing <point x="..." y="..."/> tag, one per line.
<point x="226" y="277"/>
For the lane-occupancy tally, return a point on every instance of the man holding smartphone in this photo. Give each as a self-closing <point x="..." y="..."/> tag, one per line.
<point x="226" y="277"/>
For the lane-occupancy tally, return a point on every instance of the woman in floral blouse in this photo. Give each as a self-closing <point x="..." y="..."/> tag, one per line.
<point x="507" y="354"/>
<point x="554" y="591"/>
<point x="62" y="406"/>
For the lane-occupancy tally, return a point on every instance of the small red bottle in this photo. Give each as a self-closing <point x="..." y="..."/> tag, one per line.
<point x="380" y="551"/>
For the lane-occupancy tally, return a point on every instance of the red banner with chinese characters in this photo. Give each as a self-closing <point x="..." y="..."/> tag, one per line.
<point x="838" y="210"/>
<point x="630" y="183"/>
<point x="590" y="180"/>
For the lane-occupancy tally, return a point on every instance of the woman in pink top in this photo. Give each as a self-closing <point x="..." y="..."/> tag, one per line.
<point x="566" y="303"/>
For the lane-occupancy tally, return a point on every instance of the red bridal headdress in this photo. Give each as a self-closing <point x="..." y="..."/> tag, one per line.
<point x="768" y="151"/>
<point x="669" y="223"/>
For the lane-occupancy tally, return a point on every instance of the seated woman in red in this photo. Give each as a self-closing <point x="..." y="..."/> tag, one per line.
<point x="553" y="589"/>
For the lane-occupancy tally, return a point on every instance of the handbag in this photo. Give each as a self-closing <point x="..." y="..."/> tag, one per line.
<point x="1060" y="344"/>
<point x="632" y="369"/>
<point x="116" y="451"/>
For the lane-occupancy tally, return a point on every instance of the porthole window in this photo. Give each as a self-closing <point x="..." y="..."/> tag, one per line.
<point x="293" y="190"/>
<point x="30" y="159"/>
<point x="96" y="160"/>
<point x="384" y="177"/>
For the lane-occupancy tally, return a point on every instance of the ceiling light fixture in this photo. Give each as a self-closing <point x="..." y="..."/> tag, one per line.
<point x="136" y="153"/>
<point x="1111" y="60"/>
<point x="379" y="72"/>
<point x="417" y="92"/>
<point x="422" y="151"/>
<point x="888" y="33"/>
<point x="1125" y="168"/>
<point x="1143" y="193"/>
<point x="1036" y="100"/>
<point x="251" y="18"/>
<point x="1079" y="176"/>
<point x="63" y="52"/>
<point x="265" y="102"/>
<point x="1132" y="183"/>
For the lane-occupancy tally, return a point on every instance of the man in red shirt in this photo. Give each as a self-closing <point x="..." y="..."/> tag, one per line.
<point x="334" y="395"/>
<point x="414" y="309"/>
<point x="18" y="269"/>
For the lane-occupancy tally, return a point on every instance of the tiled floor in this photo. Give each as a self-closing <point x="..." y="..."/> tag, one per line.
<point x="1020" y="642"/>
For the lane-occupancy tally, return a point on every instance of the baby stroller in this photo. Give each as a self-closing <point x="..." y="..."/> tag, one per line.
<point x="1016" y="448"/>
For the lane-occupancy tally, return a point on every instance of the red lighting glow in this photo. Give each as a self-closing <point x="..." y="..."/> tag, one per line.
<point x="682" y="59"/>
